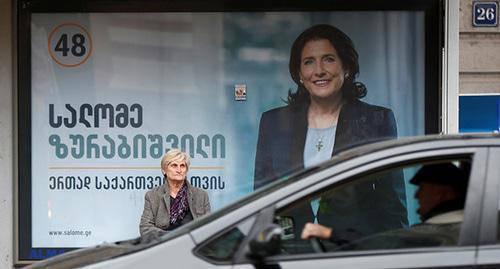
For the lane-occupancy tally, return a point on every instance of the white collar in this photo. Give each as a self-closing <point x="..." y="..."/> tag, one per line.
<point x="448" y="217"/>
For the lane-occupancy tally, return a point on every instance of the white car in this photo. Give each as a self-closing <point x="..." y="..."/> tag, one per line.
<point x="261" y="230"/>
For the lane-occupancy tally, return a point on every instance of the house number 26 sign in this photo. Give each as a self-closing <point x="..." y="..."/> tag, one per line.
<point x="485" y="13"/>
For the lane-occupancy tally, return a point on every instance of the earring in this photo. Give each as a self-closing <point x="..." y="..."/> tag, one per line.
<point x="346" y="75"/>
<point x="301" y="81"/>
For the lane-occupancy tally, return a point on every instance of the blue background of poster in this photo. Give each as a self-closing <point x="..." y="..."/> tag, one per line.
<point x="182" y="68"/>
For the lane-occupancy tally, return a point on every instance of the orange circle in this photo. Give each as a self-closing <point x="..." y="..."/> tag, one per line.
<point x="50" y="40"/>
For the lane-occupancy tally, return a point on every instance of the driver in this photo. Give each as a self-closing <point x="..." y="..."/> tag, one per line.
<point x="441" y="194"/>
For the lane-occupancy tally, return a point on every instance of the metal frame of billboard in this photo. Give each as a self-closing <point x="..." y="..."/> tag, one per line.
<point x="437" y="94"/>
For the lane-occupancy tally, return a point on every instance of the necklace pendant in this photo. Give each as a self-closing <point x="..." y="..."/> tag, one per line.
<point x="319" y="145"/>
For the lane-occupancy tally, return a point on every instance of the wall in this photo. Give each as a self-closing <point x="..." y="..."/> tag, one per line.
<point x="479" y="55"/>
<point x="6" y="136"/>
<point x="479" y="73"/>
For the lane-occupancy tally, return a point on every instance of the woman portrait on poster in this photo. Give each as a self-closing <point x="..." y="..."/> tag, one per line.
<point x="325" y="115"/>
<point x="176" y="202"/>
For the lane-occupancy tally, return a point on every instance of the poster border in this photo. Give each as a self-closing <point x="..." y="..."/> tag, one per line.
<point x="434" y="36"/>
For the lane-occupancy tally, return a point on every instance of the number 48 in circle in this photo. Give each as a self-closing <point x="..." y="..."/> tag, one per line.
<point x="70" y="44"/>
<point x="77" y="45"/>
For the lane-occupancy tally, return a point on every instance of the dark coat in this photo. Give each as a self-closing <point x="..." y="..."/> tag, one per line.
<point x="156" y="214"/>
<point x="372" y="205"/>
<point x="282" y="136"/>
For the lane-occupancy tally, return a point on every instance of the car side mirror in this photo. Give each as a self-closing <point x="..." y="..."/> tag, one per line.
<point x="266" y="243"/>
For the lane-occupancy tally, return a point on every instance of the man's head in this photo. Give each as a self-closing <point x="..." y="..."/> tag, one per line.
<point x="438" y="184"/>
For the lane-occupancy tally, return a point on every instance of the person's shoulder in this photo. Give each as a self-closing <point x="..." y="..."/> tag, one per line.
<point x="283" y="113"/>
<point x="198" y="191"/>
<point x="367" y="107"/>
<point x="375" y="117"/>
<point x="158" y="190"/>
<point x="273" y="112"/>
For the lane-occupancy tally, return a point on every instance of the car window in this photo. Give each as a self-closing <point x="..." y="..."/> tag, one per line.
<point x="224" y="246"/>
<point x="380" y="210"/>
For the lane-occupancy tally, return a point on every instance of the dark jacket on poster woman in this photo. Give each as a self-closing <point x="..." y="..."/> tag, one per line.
<point x="365" y="208"/>
<point x="157" y="214"/>
<point x="283" y="130"/>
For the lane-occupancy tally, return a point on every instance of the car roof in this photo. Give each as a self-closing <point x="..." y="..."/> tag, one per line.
<point x="469" y="139"/>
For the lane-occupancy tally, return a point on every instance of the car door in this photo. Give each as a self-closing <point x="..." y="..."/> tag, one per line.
<point x="387" y="246"/>
<point x="489" y="240"/>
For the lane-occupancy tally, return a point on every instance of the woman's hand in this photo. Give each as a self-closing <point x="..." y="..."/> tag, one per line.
<point x="316" y="230"/>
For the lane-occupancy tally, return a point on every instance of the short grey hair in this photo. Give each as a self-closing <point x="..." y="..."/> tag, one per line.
<point x="174" y="155"/>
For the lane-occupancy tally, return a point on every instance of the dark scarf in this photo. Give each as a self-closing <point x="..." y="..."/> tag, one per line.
<point x="180" y="205"/>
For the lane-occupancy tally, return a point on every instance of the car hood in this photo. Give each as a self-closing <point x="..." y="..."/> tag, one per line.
<point x="82" y="257"/>
<point x="90" y="255"/>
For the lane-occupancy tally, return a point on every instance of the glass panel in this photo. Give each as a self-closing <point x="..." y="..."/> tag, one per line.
<point x="371" y="212"/>
<point x="223" y="247"/>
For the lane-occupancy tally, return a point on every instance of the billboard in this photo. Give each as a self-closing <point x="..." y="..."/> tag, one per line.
<point x="111" y="92"/>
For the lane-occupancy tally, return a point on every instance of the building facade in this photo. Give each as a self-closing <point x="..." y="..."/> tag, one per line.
<point x="471" y="61"/>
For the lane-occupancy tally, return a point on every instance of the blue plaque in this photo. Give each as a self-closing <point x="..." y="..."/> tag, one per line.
<point x="485" y="13"/>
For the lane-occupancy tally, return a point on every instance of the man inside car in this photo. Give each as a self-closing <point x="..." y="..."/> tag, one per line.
<point x="441" y="193"/>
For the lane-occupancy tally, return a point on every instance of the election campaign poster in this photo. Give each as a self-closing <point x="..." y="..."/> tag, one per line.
<point x="112" y="92"/>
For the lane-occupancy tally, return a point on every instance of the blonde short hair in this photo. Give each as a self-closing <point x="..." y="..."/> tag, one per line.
<point x="174" y="155"/>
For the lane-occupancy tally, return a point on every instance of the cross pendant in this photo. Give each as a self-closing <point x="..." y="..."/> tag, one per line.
<point x="319" y="145"/>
